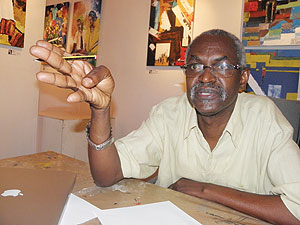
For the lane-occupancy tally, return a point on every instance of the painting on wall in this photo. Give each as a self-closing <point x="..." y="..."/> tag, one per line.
<point x="275" y="71"/>
<point x="12" y="26"/>
<point x="84" y="35"/>
<point x="56" y="24"/>
<point x="170" y="31"/>
<point x="271" y="22"/>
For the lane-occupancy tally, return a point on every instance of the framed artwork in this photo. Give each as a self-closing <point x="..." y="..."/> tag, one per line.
<point x="170" y="31"/>
<point x="271" y="22"/>
<point x="56" y="24"/>
<point x="162" y="53"/>
<point x="276" y="71"/>
<point x="84" y="35"/>
<point x="12" y="25"/>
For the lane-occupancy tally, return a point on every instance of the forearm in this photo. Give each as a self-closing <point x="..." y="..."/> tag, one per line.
<point x="267" y="207"/>
<point x="105" y="164"/>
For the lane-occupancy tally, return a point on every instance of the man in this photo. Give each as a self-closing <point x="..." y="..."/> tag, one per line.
<point x="212" y="143"/>
<point x="78" y="46"/>
<point x="92" y="34"/>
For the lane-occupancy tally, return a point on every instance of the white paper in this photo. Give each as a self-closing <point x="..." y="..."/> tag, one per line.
<point x="78" y="211"/>
<point x="161" y="213"/>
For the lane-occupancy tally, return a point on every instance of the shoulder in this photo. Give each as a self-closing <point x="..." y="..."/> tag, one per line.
<point x="262" y="108"/>
<point x="172" y="104"/>
<point x="171" y="109"/>
<point x="256" y="104"/>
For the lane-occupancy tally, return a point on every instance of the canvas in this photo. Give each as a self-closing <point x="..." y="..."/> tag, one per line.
<point x="271" y="22"/>
<point x="84" y="34"/>
<point x="170" y="31"/>
<point x="276" y="71"/>
<point x="56" y="24"/>
<point x="12" y="25"/>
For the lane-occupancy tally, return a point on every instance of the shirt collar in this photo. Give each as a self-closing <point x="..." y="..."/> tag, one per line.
<point x="235" y="125"/>
<point x="191" y="118"/>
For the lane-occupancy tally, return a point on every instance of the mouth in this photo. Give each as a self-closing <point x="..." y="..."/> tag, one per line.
<point x="207" y="92"/>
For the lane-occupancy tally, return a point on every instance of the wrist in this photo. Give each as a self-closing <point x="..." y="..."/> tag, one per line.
<point x="99" y="109"/>
<point x="99" y="147"/>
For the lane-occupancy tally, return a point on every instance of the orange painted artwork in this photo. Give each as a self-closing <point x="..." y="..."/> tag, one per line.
<point x="12" y="22"/>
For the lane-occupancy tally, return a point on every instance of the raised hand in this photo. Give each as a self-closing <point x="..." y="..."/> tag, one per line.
<point x="93" y="85"/>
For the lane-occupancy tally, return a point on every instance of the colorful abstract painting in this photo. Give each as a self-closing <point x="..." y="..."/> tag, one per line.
<point x="84" y="36"/>
<point x="12" y="25"/>
<point x="271" y="22"/>
<point x="275" y="71"/>
<point x="56" y="24"/>
<point x="170" y="31"/>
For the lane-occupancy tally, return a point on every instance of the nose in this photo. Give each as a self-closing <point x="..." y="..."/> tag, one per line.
<point x="207" y="76"/>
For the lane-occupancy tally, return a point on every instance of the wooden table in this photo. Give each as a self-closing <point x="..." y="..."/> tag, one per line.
<point x="129" y="192"/>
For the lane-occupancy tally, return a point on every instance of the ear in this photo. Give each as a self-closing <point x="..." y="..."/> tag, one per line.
<point x="244" y="79"/>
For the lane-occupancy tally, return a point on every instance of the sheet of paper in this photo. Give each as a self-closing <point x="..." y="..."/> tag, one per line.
<point x="161" y="213"/>
<point x="78" y="211"/>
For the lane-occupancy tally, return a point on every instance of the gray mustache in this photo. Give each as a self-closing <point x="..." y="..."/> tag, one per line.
<point x="207" y="87"/>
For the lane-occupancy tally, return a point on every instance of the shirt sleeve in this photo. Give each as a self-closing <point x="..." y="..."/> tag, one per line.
<point x="140" y="151"/>
<point x="284" y="172"/>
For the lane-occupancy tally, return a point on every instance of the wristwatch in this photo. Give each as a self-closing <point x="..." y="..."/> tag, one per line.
<point x="101" y="146"/>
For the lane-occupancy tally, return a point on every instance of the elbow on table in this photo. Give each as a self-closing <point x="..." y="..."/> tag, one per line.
<point x="106" y="181"/>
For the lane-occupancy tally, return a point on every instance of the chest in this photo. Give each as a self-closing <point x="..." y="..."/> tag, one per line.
<point x="236" y="166"/>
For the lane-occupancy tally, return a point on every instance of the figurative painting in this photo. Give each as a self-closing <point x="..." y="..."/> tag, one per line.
<point x="56" y="24"/>
<point x="12" y="26"/>
<point x="170" y="31"/>
<point x="271" y="22"/>
<point x="275" y="71"/>
<point x="84" y="35"/>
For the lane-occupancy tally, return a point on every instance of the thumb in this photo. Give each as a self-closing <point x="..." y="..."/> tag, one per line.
<point x="95" y="76"/>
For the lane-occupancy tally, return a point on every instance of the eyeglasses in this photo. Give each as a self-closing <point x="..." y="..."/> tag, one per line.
<point x="222" y="69"/>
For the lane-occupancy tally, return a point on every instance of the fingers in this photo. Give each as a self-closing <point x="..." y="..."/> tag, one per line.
<point x="56" y="79"/>
<point x="50" y="47"/>
<point x="94" y="96"/>
<point x="95" y="76"/>
<point x="51" y="55"/>
<point x="77" y="96"/>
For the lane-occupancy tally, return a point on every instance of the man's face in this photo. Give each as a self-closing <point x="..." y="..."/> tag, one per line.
<point x="91" y="20"/>
<point x="79" y="25"/>
<point x="210" y="93"/>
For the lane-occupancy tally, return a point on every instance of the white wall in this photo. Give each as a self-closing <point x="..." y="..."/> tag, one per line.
<point x="123" y="48"/>
<point x="19" y="89"/>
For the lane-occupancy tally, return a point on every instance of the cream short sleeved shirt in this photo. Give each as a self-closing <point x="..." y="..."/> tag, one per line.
<point x="255" y="153"/>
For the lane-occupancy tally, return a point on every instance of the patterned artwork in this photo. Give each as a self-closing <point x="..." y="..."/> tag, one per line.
<point x="170" y="31"/>
<point x="12" y="25"/>
<point x="271" y="22"/>
<point x="84" y="35"/>
<point x="275" y="71"/>
<point x="56" y="24"/>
